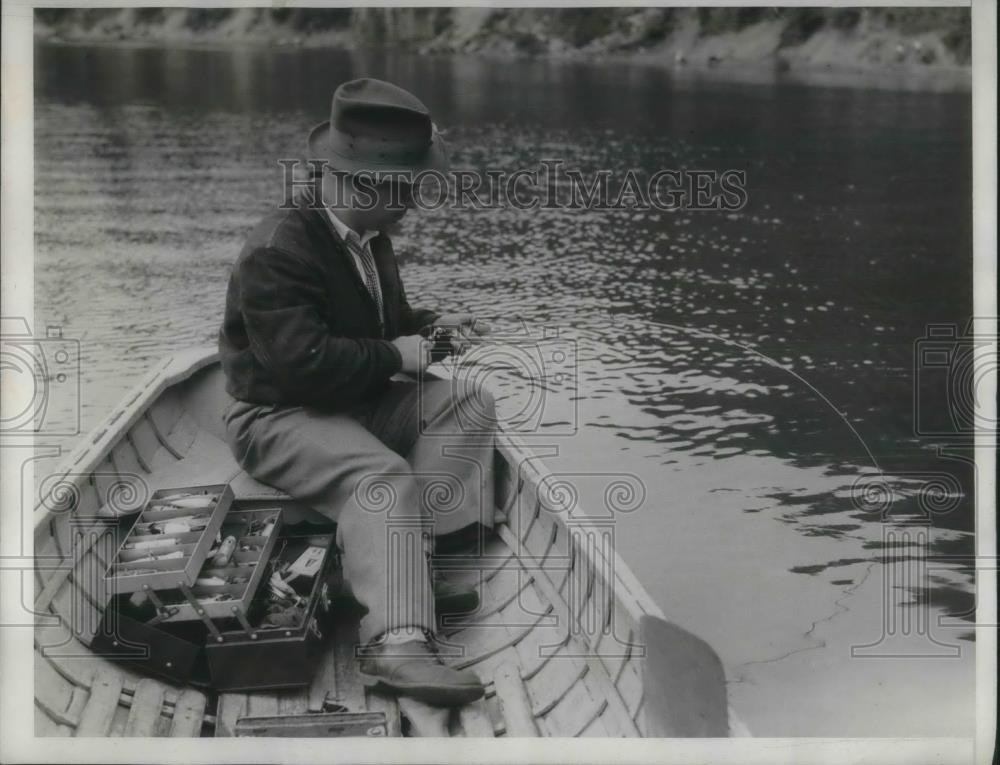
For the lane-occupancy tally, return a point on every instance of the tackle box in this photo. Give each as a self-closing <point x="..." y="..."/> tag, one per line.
<point x="234" y="651"/>
<point x="158" y="553"/>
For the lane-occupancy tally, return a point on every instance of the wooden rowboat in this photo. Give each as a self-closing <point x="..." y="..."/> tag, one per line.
<point x="566" y="639"/>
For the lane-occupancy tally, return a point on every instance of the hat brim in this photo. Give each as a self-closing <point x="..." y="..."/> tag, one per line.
<point x="318" y="143"/>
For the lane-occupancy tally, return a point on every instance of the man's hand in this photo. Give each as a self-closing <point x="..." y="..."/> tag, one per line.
<point x="465" y="327"/>
<point x="415" y="352"/>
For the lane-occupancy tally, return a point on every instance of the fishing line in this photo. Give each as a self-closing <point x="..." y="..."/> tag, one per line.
<point x="456" y="364"/>
<point x="777" y="364"/>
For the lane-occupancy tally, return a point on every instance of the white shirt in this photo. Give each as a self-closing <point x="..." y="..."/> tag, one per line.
<point x="363" y="241"/>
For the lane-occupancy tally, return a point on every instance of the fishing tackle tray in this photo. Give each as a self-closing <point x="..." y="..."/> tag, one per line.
<point x="242" y="650"/>
<point x="225" y="589"/>
<point x="156" y="554"/>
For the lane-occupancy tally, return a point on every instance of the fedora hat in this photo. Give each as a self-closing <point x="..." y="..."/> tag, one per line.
<point x="377" y="127"/>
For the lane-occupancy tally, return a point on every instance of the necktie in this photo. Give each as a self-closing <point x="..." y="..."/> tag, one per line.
<point x="370" y="275"/>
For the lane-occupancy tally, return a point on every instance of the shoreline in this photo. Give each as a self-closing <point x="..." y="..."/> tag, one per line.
<point x="898" y="48"/>
<point x="772" y="72"/>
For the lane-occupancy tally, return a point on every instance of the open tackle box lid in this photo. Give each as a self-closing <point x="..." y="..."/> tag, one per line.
<point x="148" y="561"/>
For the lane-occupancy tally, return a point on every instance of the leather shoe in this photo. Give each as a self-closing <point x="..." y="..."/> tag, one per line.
<point x="414" y="669"/>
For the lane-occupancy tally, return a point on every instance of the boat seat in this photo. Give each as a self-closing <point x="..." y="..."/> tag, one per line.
<point x="208" y="460"/>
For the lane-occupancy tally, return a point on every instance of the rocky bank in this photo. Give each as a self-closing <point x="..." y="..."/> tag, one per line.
<point x="930" y="43"/>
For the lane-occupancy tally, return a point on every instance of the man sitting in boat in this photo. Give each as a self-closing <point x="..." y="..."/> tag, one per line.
<point x="316" y="323"/>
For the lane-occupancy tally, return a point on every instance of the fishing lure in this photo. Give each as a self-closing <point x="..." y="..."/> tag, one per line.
<point x="152" y="544"/>
<point x="181" y="525"/>
<point x="225" y="552"/>
<point x="184" y="501"/>
<point x="260" y="527"/>
<point x="211" y="581"/>
<point x="215" y="598"/>
<point x="166" y="556"/>
<point x="281" y="590"/>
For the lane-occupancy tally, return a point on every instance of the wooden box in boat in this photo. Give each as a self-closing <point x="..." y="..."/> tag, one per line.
<point x="541" y="576"/>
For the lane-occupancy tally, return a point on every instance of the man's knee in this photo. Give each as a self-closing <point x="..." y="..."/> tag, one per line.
<point x="387" y="467"/>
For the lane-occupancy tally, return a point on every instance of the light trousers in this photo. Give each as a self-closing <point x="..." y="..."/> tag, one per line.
<point x="415" y="462"/>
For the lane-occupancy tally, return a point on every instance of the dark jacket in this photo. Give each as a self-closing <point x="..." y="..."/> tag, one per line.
<point x="300" y="327"/>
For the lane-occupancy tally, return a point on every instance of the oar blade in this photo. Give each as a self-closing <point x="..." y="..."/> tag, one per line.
<point x="684" y="683"/>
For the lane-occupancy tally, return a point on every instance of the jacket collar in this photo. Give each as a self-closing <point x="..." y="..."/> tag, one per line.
<point x="324" y="218"/>
<point x="381" y="252"/>
<point x="345" y="232"/>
